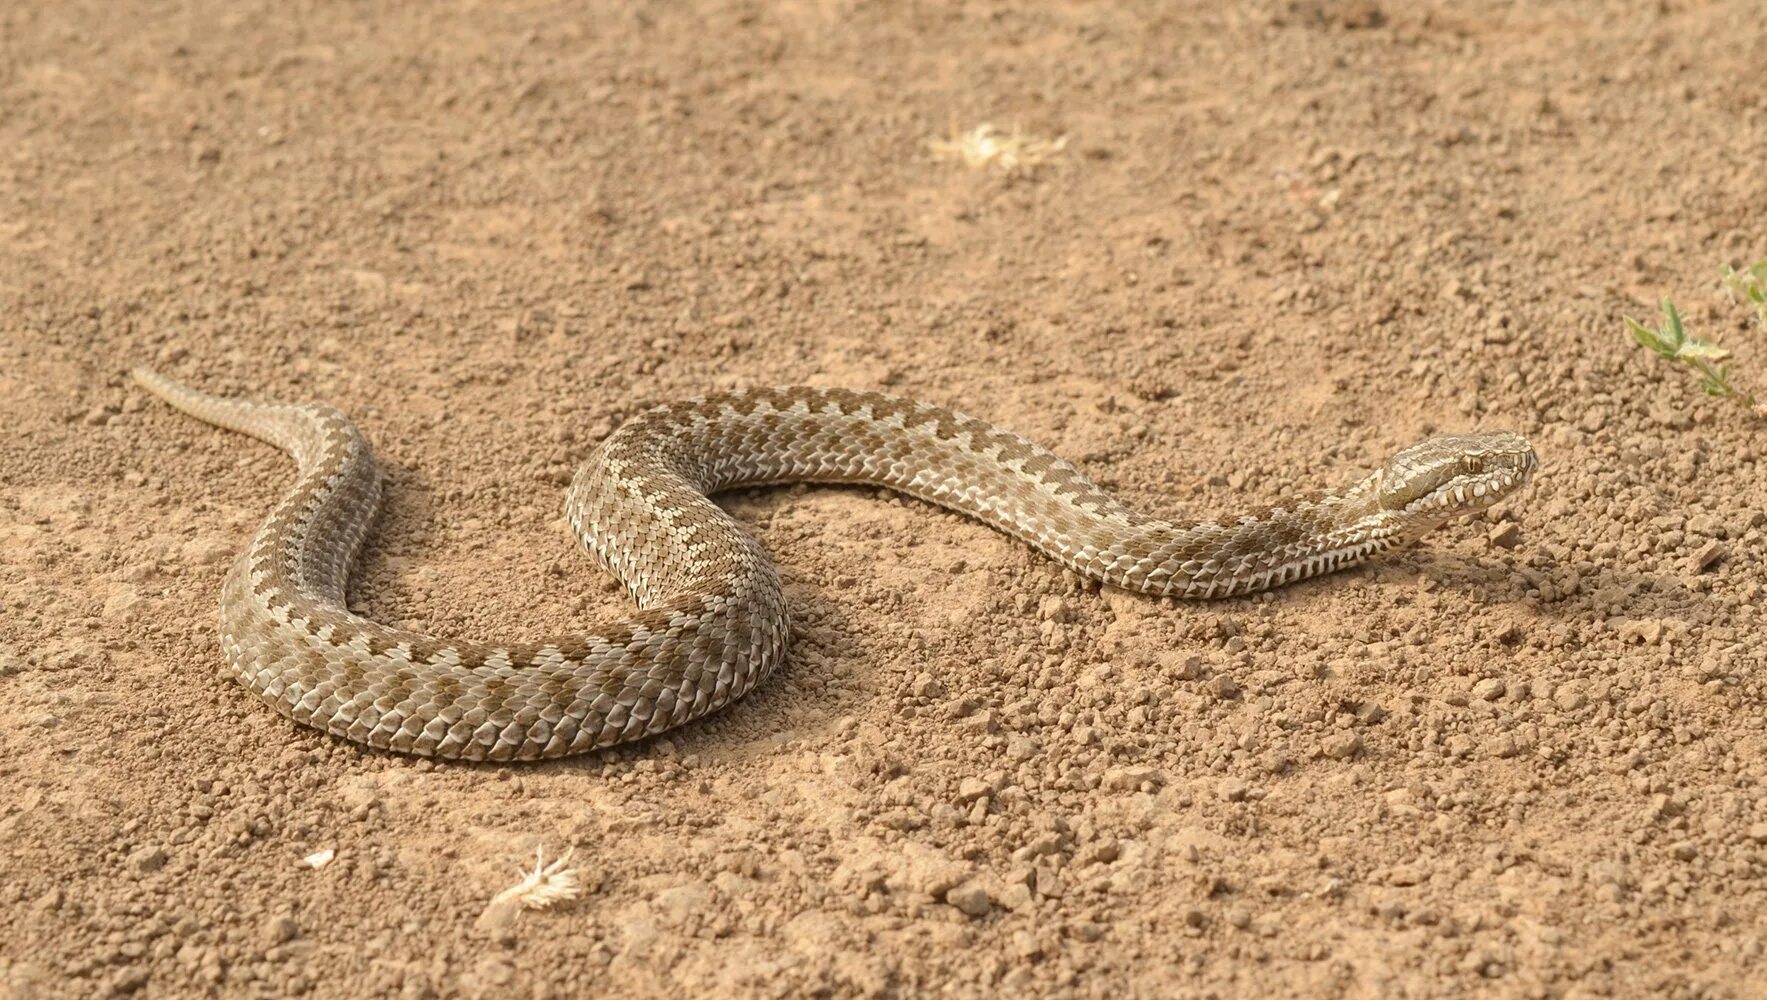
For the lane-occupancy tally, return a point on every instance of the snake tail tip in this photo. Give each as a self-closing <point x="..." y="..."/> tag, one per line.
<point x="145" y="376"/>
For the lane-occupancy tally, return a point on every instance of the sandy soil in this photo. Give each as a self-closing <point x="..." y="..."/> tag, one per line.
<point x="1285" y="238"/>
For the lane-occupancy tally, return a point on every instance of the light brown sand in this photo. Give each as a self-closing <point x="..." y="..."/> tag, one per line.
<point x="1283" y="239"/>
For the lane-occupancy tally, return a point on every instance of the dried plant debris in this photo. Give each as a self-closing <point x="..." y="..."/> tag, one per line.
<point x="987" y="145"/>
<point x="545" y="886"/>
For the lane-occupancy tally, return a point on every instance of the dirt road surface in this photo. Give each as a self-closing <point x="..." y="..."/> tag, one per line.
<point x="1282" y="239"/>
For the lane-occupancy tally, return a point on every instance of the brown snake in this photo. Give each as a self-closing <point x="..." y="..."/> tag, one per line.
<point x="711" y="622"/>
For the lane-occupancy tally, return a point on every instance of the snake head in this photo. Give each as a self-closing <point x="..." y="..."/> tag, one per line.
<point x="1455" y="474"/>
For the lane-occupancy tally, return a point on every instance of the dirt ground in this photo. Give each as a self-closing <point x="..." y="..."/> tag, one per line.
<point x="1525" y="758"/>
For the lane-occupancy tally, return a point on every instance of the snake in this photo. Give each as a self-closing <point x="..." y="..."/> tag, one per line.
<point x="709" y="621"/>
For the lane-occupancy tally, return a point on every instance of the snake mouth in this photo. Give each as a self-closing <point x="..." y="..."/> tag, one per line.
<point x="1469" y="494"/>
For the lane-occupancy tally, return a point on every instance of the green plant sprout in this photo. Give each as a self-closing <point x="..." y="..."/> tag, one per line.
<point x="1751" y="284"/>
<point x="1671" y="340"/>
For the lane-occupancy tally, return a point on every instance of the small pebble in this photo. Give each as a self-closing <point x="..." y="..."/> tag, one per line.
<point x="1569" y="697"/>
<point x="1404" y="875"/>
<point x="970" y="898"/>
<point x="1342" y="746"/>
<point x="970" y="789"/>
<point x="682" y="902"/>
<point x="208" y="551"/>
<point x="1709" y="555"/>
<point x="150" y="858"/>
<point x="280" y="930"/>
<point x="1120" y="779"/>
<point x="1224" y="687"/>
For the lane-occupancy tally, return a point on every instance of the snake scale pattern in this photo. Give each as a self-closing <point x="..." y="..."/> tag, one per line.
<point x="711" y="622"/>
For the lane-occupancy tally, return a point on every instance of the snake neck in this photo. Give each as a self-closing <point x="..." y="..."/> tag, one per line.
<point x="1314" y="533"/>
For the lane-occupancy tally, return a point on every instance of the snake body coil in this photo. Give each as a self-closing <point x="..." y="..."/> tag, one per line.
<point x="711" y="622"/>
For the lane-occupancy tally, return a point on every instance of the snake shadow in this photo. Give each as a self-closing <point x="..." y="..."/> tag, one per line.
<point x="1601" y="594"/>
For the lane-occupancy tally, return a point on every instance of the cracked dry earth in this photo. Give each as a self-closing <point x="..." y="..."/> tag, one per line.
<point x="1285" y="237"/>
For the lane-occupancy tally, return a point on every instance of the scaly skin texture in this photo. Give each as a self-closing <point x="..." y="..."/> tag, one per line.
<point x="711" y="622"/>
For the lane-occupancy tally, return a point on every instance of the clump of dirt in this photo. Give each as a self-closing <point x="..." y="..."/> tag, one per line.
<point x="1281" y="241"/>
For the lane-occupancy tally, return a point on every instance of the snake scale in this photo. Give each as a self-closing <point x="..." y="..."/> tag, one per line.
<point x="711" y="621"/>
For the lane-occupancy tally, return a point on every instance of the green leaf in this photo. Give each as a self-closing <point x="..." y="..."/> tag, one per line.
<point x="1674" y="333"/>
<point x="1650" y="339"/>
